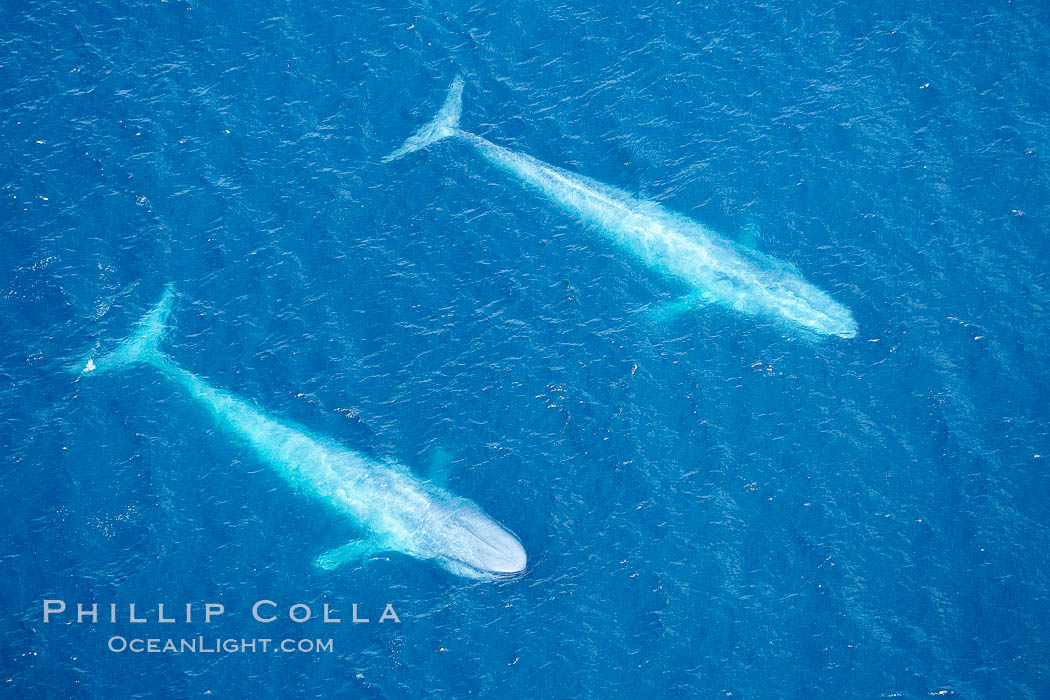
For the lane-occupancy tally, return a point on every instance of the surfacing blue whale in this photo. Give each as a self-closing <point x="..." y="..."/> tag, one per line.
<point x="717" y="270"/>
<point x="397" y="511"/>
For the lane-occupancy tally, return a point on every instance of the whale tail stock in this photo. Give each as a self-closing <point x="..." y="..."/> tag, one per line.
<point x="440" y="127"/>
<point x="142" y="344"/>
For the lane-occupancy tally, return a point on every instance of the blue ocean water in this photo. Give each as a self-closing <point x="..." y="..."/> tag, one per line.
<point x="711" y="507"/>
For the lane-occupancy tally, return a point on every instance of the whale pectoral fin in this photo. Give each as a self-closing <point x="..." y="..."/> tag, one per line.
<point x="749" y="236"/>
<point x="671" y="310"/>
<point x="439" y="466"/>
<point x="352" y="551"/>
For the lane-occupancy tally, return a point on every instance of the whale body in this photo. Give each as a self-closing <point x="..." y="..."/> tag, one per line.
<point x="397" y="511"/>
<point x="715" y="269"/>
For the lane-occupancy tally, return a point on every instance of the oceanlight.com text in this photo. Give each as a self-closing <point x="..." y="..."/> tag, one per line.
<point x="217" y="645"/>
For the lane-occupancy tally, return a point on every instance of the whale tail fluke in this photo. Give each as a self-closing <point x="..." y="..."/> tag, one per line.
<point x="440" y="127"/>
<point x="143" y="344"/>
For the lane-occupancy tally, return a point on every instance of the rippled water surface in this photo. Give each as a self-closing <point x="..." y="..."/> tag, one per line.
<point x="713" y="505"/>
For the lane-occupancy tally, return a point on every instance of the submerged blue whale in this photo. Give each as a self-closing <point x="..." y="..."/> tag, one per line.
<point x="397" y="511"/>
<point x="716" y="269"/>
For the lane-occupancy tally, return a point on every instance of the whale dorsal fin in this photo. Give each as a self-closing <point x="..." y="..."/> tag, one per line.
<point x="351" y="551"/>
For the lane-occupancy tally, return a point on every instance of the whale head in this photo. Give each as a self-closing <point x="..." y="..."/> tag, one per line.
<point x="809" y="308"/>
<point x="844" y="326"/>
<point x="828" y="321"/>
<point x="833" y="319"/>
<point x="478" y="547"/>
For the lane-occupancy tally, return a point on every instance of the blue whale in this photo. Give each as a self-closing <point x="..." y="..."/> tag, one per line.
<point x="396" y="510"/>
<point x="714" y="268"/>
